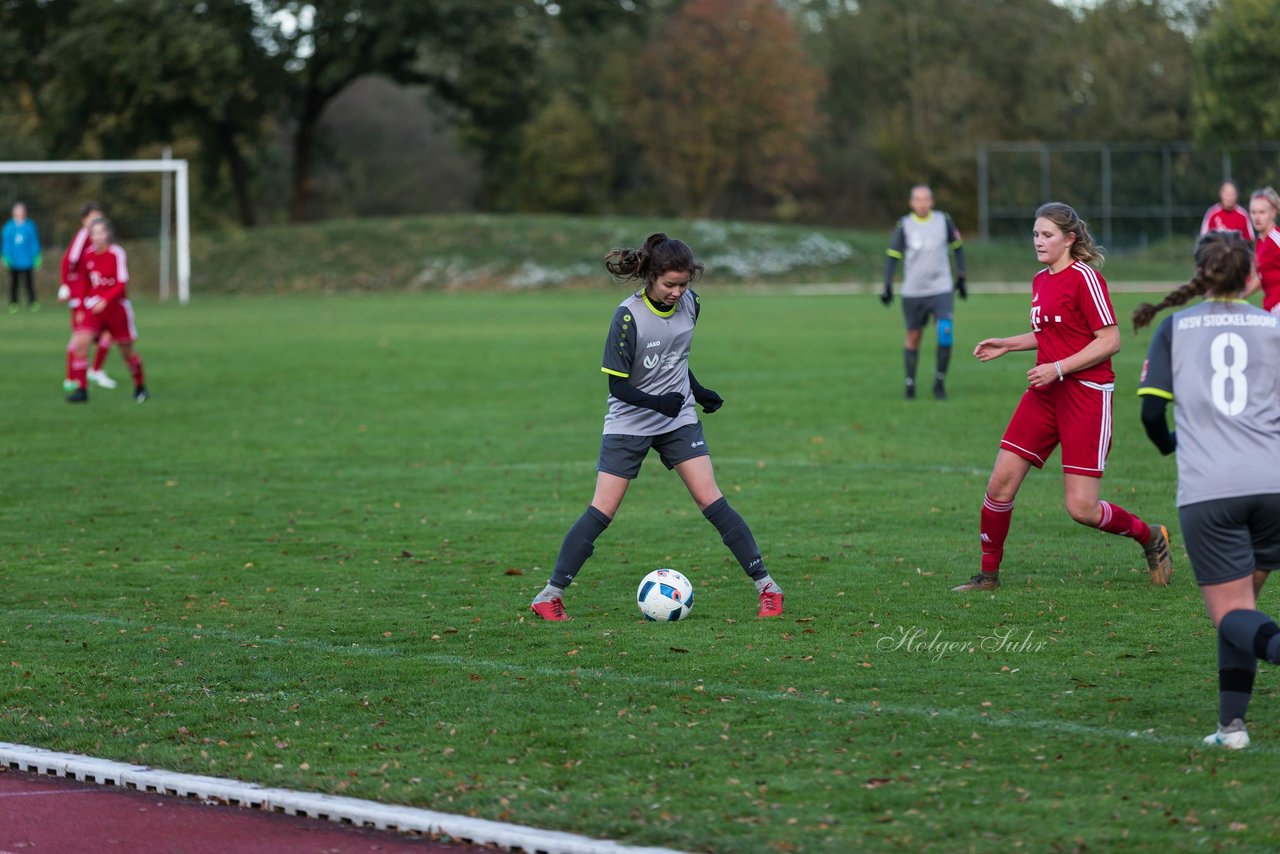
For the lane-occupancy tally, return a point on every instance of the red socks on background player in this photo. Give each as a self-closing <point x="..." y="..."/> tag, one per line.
<point x="101" y="356"/>
<point x="135" y="370"/>
<point x="996" y="516"/>
<point x="77" y="369"/>
<point x="1117" y="520"/>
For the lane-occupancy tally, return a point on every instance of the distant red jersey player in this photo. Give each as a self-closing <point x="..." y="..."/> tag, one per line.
<point x="104" y="307"/>
<point x="70" y="293"/>
<point x="1264" y="205"/>
<point x="1068" y="398"/>
<point x="1226" y="215"/>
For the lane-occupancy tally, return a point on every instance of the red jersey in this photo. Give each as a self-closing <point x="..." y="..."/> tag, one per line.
<point x="1066" y="309"/>
<point x="1218" y="218"/>
<point x="106" y="275"/>
<point x="1268" y="250"/>
<point x="71" y="265"/>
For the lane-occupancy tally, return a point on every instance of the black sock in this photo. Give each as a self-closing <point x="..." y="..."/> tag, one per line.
<point x="944" y="362"/>
<point x="737" y="536"/>
<point x="1253" y="632"/>
<point x="910" y="359"/>
<point x="578" y="546"/>
<point x="1236" y="670"/>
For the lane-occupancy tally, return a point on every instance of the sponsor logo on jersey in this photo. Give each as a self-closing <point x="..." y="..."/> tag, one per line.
<point x="652" y="344"/>
<point x="651" y="361"/>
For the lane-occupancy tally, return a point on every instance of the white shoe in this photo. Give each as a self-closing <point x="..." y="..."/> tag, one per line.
<point x="1234" y="736"/>
<point x="100" y="379"/>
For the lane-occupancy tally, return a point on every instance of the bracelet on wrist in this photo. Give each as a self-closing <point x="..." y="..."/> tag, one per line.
<point x="1057" y="366"/>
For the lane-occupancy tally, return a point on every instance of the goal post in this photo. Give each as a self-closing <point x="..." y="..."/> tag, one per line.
<point x="174" y="182"/>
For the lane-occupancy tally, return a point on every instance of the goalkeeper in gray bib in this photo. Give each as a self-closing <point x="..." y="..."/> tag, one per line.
<point x="652" y="397"/>
<point x="923" y="241"/>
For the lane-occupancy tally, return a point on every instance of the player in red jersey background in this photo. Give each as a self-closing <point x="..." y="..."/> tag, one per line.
<point x="1264" y="205"/>
<point x="1226" y="215"/>
<point x="104" y="307"/>
<point x="69" y="292"/>
<point x="1068" y="397"/>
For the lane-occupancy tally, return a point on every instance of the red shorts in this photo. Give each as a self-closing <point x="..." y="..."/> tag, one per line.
<point x="116" y="318"/>
<point x="1072" y="413"/>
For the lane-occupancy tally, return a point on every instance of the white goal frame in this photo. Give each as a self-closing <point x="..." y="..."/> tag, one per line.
<point x="172" y="172"/>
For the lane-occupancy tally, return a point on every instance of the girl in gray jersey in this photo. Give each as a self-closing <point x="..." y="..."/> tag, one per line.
<point x="651" y="401"/>
<point x="1220" y="360"/>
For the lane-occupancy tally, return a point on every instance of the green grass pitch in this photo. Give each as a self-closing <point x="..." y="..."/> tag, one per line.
<point x="307" y="560"/>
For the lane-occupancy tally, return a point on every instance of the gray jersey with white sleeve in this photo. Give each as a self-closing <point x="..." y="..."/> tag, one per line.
<point x="1220" y="363"/>
<point x="650" y="349"/>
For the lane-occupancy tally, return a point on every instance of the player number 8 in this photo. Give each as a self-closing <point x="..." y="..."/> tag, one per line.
<point x="1222" y="371"/>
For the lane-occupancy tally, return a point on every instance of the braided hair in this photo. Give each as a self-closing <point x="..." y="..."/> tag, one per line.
<point x="660" y="254"/>
<point x="1224" y="263"/>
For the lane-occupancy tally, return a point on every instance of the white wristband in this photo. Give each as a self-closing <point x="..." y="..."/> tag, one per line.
<point x="1058" y="367"/>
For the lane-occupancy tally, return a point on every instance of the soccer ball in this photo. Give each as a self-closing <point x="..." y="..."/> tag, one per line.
<point x="665" y="594"/>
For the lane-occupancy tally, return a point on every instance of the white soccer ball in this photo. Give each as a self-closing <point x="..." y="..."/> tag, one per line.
<point x="665" y="595"/>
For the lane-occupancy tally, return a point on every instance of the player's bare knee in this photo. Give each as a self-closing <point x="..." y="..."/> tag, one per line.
<point x="1085" y="512"/>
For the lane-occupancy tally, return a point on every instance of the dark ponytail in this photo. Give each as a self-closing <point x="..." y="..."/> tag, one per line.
<point x="1223" y="265"/>
<point x="660" y="254"/>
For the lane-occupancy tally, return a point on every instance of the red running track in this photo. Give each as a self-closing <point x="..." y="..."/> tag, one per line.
<point x="47" y="815"/>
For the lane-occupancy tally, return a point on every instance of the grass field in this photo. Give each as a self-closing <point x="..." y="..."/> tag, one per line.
<point x="530" y="252"/>
<point x="307" y="561"/>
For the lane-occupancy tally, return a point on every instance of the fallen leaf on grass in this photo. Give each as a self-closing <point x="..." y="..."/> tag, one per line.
<point x="514" y="571"/>
<point x="678" y="649"/>
<point x="876" y="782"/>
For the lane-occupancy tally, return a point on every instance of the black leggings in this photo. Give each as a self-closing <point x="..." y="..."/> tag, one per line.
<point x="13" y="286"/>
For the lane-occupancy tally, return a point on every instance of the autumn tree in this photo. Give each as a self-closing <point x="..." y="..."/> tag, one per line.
<point x="724" y="96"/>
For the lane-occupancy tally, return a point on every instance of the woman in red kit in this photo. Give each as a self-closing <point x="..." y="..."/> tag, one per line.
<point x="104" y="307"/>
<point x="1226" y="214"/>
<point x="1263" y="207"/>
<point x="1068" y="397"/>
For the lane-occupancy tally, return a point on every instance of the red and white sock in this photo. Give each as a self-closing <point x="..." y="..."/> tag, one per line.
<point x="1116" y="520"/>
<point x="77" y="368"/>
<point x="101" y="356"/>
<point x="996" y="516"/>
<point x="135" y="369"/>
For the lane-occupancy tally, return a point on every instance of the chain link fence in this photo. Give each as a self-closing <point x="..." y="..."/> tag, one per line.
<point x="1132" y="194"/>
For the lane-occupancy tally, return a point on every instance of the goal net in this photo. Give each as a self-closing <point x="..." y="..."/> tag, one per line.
<point x="147" y="202"/>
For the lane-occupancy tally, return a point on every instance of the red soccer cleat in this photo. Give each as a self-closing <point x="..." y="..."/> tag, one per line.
<point x="770" y="602"/>
<point x="552" y="610"/>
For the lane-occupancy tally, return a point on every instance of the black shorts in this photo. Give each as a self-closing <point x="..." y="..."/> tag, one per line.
<point x="916" y="310"/>
<point x="1228" y="538"/>
<point x="622" y="455"/>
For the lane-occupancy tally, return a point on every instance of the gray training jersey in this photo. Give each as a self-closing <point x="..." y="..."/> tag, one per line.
<point x="924" y="247"/>
<point x="650" y="348"/>
<point x="1220" y="363"/>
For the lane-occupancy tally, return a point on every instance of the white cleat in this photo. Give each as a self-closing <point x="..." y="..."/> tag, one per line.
<point x="100" y="379"/>
<point x="1234" y="736"/>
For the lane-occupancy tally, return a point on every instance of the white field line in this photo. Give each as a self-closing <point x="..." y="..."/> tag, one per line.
<point x="756" y="462"/>
<point x="850" y="708"/>
<point x="47" y="792"/>
<point x="350" y="811"/>
<point x="866" y="288"/>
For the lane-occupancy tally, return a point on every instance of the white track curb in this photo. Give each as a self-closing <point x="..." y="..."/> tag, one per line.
<point x="349" y="811"/>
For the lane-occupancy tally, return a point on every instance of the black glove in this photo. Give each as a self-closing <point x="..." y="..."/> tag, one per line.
<point x="669" y="404"/>
<point x="886" y="295"/>
<point x="960" y="288"/>
<point x="708" y="399"/>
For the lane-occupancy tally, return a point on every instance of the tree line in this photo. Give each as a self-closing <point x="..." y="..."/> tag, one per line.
<point x="814" y="110"/>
